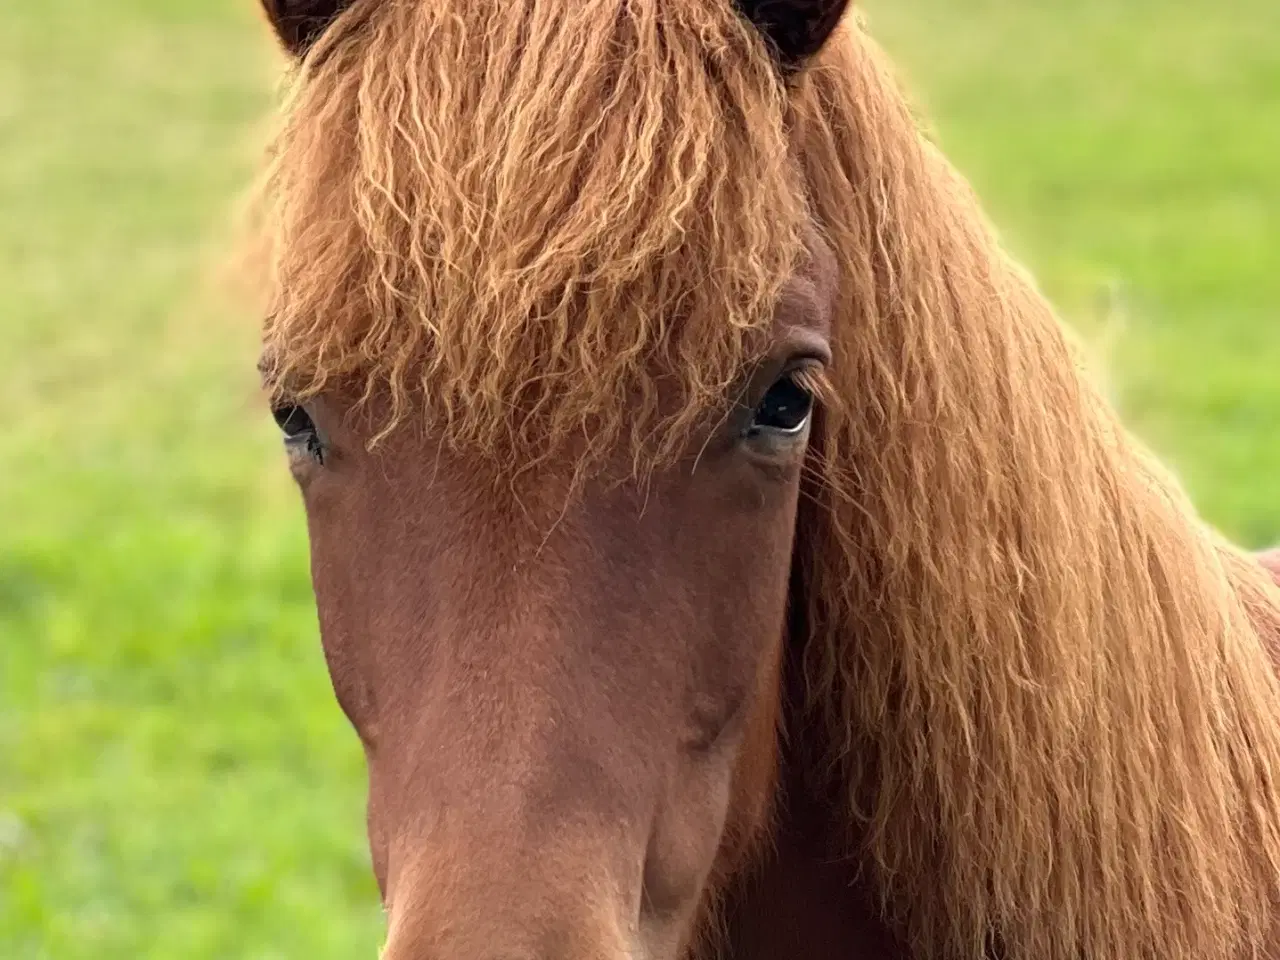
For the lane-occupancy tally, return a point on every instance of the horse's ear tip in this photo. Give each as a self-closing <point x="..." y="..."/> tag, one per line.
<point x="299" y="23"/>
<point x="796" y="29"/>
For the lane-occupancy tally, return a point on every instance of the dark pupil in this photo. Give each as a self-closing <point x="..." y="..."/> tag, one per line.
<point x="785" y="407"/>
<point x="293" y="421"/>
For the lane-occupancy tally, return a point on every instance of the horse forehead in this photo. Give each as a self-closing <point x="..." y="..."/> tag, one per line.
<point x="807" y="300"/>
<point x="822" y="267"/>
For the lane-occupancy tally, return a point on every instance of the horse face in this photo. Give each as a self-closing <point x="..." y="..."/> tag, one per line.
<point x="568" y="704"/>
<point x="568" y="697"/>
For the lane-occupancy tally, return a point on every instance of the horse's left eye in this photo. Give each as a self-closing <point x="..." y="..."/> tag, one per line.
<point x="294" y="422"/>
<point x="785" y="410"/>
<point x="300" y="433"/>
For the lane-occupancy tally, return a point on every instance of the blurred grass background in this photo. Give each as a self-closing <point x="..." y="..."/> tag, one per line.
<point x="175" y="778"/>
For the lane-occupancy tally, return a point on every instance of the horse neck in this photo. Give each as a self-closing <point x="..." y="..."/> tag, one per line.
<point x="803" y="901"/>
<point x="806" y="896"/>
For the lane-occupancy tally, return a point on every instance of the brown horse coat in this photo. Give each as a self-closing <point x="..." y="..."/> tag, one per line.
<point x="716" y="542"/>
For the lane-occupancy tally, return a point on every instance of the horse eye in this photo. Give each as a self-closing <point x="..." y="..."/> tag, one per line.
<point x="300" y="433"/>
<point x="294" y="422"/>
<point x="785" y="410"/>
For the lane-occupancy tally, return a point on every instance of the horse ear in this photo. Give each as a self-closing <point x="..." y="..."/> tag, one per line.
<point x="299" y="23"/>
<point x="795" y="29"/>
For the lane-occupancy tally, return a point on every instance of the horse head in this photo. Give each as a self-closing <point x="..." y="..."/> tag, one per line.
<point x="565" y="671"/>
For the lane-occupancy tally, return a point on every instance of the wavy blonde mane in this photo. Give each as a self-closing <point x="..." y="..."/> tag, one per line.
<point x="1046" y="680"/>
<point x="1049" y="683"/>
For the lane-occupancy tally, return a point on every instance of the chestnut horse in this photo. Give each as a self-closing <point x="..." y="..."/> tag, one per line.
<point x="716" y="543"/>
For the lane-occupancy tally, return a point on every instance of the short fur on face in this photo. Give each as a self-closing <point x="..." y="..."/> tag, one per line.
<point x="1045" y="679"/>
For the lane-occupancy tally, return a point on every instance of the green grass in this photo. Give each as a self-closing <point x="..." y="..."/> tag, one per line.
<point x="175" y="778"/>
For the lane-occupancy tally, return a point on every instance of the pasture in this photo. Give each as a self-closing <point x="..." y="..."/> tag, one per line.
<point x="175" y="777"/>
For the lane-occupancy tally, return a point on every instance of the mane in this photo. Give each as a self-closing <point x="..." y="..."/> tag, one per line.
<point x="1046" y="680"/>
<point x="507" y="216"/>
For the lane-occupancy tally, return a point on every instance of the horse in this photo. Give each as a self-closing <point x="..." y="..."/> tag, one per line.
<point x="719" y="546"/>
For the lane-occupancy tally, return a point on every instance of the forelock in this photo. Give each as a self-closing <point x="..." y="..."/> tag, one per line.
<point x="518" y="219"/>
